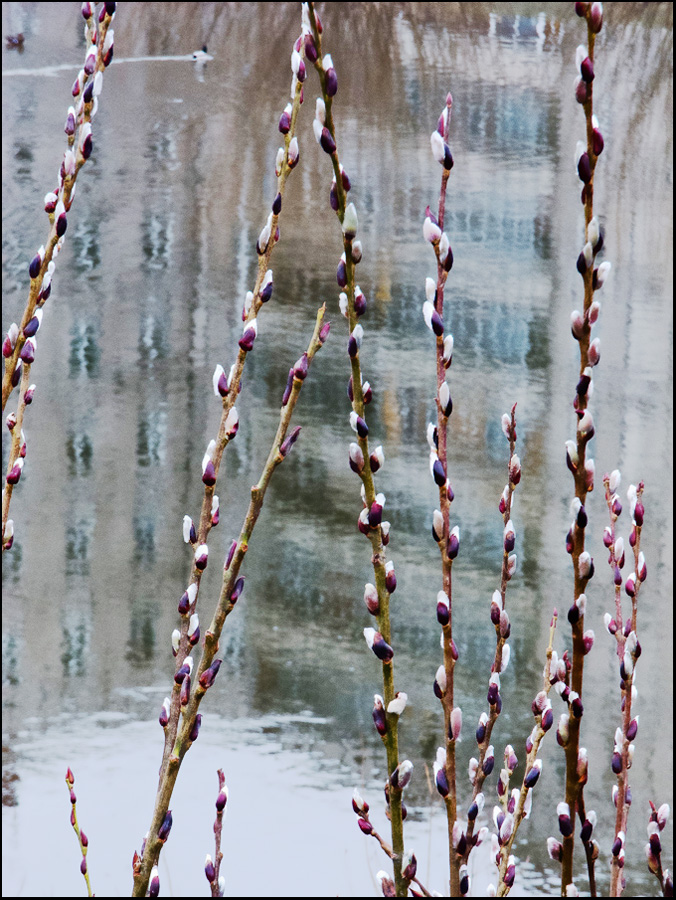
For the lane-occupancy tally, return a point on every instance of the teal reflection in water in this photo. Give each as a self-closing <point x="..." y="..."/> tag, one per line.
<point x="78" y="544"/>
<point x="147" y="299"/>
<point x="86" y="245"/>
<point x="74" y="648"/>
<point x="80" y="453"/>
<point x="84" y="350"/>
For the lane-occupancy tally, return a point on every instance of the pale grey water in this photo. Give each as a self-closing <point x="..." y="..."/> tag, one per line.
<point x="146" y="300"/>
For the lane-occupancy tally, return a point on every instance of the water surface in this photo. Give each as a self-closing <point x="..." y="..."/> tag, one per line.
<point x="160" y="252"/>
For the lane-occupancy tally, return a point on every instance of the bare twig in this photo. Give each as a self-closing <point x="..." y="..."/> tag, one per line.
<point x="81" y="836"/>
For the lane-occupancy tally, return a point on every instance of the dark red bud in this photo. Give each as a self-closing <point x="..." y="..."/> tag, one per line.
<point x="324" y="332"/>
<point x="165" y="827"/>
<point x="237" y="590"/>
<point x="331" y="82"/>
<point x="584" y="168"/>
<point x="195" y="730"/>
<point x="246" y="342"/>
<point x="310" y="49"/>
<point x="289" y="441"/>
<point x="287" y="389"/>
<point x="208" y="676"/>
<point x="327" y="142"/>
<point x="587" y="70"/>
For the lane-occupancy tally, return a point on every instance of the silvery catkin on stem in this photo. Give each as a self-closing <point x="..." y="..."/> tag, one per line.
<point x="579" y="463"/>
<point x="653" y="849"/>
<point x="226" y="388"/>
<point x="515" y="805"/>
<point x="192" y="682"/>
<point x="179" y="717"/>
<point x="19" y="346"/>
<point x="446" y="537"/>
<point x="628" y="652"/>
<point x="362" y="460"/>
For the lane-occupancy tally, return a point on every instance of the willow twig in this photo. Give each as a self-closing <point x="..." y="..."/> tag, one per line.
<point x="180" y="718"/>
<point x="203" y="677"/>
<point x="227" y="389"/>
<point x="653" y="849"/>
<point x="363" y="462"/>
<point x="517" y="805"/>
<point x="19" y="346"/>
<point x="580" y="465"/>
<point x="447" y="538"/>
<point x="628" y="652"/>
<point x="212" y="868"/>
<point x="81" y="836"/>
<point x="410" y="867"/>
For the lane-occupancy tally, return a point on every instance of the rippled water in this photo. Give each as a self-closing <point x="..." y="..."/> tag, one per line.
<point x="159" y="254"/>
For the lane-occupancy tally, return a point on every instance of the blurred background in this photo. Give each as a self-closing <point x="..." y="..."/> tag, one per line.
<point x="146" y="300"/>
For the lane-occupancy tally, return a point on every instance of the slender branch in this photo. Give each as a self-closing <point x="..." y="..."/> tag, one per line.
<point x="482" y="767"/>
<point x="628" y="651"/>
<point x="361" y="808"/>
<point x="447" y="539"/>
<point x="228" y="389"/>
<point x="363" y="462"/>
<point x="212" y="868"/>
<point x="190" y="699"/>
<point x="653" y="849"/>
<point x="19" y="346"/>
<point x="517" y="805"/>
<point x="180" y="717"/>
<point x="81" y="836"/>
<point x="581" y="467"/>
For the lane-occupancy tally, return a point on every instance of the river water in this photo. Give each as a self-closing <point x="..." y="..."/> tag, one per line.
<point x="160" y="252"/>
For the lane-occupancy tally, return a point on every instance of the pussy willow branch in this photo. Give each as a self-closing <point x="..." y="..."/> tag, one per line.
<point x="189" y="717"/>
<point x="628" y="651"/>
<point x="16" y="454"/>
<point x="81" y="836"/>
<point x="225" y="429"/>
<point x="447" y="542"/>
<point x="482" y="767"/>
<point x="581" y="467"/>
<point x="362" y="810"/>
<point x="653" y="849"/>
<point x="542" y="710"/>
<point x="19" y="345"/>
<point x="364" y="467"/>
<point x="175" y="744"/>
<point x="212" y="868"/>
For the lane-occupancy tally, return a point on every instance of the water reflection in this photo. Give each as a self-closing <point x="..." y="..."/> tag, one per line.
<point x="86" y="245"/>
<point x="23" y="159"/>
<point x="84" y="350"/>
<point x="74" y="645"/>
<point x="80" y="451"/>
<point x="148" y="297"/>
<point x="78" y="543"/>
